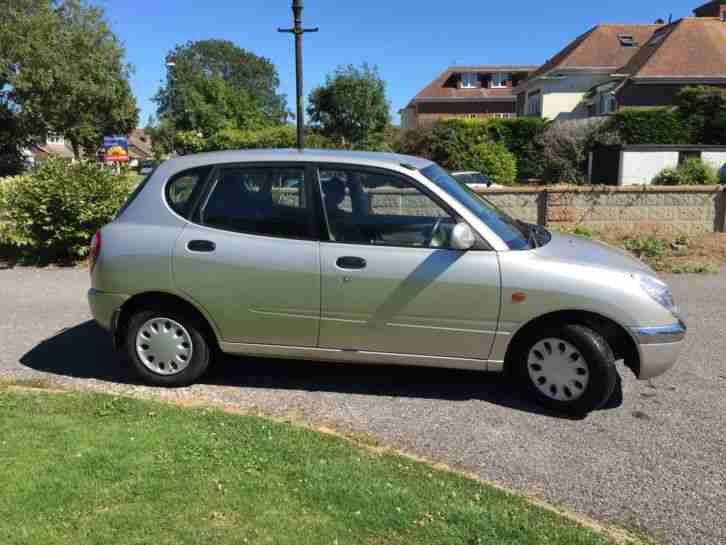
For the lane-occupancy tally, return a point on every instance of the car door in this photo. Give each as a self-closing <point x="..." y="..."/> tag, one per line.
<point x="250" y="256"/>
<point x="390" y="283"/>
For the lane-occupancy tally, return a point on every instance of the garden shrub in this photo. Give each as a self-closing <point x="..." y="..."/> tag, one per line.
<point x="693" y="171"/>
<point x="696" y="171"/>
<point x="703" y="110"/>
<point x="565" y="145"/>
<point x="416" y="142"/>
<point x="493" y="160"/>
<point x="56" y="209"/>
<point x="650" y="126"/>
<point x="520" y="135"/>
<point x="453" y="140"/>
<point x="449" y="142"/>
<point x="667" y="176"/>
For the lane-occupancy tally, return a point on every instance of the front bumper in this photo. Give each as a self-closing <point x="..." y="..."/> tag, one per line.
<point x="104" y="306"/>
<point x="659" y="348"/>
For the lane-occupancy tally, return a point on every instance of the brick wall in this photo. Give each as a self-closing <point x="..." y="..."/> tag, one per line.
<point x="667" y="210"/>
<point x="688" y="210"/>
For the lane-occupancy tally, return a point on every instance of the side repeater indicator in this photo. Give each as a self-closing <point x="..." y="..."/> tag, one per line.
<point x="519" y="297"/>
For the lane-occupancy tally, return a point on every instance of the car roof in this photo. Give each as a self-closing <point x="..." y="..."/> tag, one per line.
<point x="362" y="158"/>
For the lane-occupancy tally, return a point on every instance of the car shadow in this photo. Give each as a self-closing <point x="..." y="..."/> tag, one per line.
<point x="85" y="351"/>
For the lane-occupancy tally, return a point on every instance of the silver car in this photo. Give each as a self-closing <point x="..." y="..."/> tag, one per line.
<point x="368" y="258"/>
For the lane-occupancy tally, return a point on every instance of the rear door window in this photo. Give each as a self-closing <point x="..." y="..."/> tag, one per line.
<point x="181" y="189"/>
<point x="269" y="201"/>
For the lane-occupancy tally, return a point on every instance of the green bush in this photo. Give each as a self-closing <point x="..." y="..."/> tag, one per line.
<point x="56" y="209"/>
<point x="693" y="171"/>
<point x="449" y="142"/>
<point x="697" y="172"/>
<point x="703" y="109"/>
<point x="453" y="140"/>
<point x="520" y="135"/>
<point x="651" y="126"/>
<point x="564" y="148"/>
<point x="667" y="176"/>
<point x="494" y="160"/>
<point x="648" y="247"/>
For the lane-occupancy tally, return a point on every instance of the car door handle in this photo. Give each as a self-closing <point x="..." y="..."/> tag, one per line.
<point x="201" y="246"/>
<point x="349" y="262"/>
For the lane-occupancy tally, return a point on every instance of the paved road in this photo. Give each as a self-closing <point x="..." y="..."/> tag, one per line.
<point x="655" y="463"/>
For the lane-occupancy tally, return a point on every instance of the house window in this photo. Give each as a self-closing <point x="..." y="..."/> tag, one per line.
<point x="626" y="40"/>
<point x="534" y="104"/>
<point x="54" y="138"/>
<point x="499" y="80"/>
<point x="469" y="80"/>
<point x="606" y="104"/>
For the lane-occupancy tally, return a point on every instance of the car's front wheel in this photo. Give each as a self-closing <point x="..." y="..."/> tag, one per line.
<point x="568" y="368"/>
<point x="166" y="347"/>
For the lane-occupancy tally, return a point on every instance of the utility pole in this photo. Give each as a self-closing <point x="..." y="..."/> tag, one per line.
<point x="298" y="31"/>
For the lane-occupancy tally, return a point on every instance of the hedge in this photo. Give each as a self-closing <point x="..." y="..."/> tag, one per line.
<point x="55" y="210"/>
<point x="449" y="142"/>
<point x="651" y="126"/>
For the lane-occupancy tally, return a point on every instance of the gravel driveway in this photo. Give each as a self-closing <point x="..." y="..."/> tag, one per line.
<point x="656" y="463"/>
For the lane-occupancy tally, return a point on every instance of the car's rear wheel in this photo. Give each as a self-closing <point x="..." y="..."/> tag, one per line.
<point x="568" y="368"/>
<point x="166" y="347"/>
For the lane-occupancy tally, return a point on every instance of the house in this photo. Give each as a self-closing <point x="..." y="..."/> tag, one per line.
<point x="616" y="66"/>
<point x="57" y="146"/>
<point x="690" y="51"/>
<point x="558" y="89"/>
<point x="466" y="92"/>
<point x="140" y="146"/>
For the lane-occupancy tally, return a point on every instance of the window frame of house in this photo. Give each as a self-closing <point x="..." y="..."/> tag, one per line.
<point x="534" y="104"/>
<point x="469" y="80"/>
<point x="55" y="139"/>
<point x="606" y="104"/>
<point x="499" y="80"/>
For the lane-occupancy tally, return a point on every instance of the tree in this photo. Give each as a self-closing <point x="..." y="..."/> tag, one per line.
<point x="64" y="71"/>
<point x="351" y="107"/>
<point x="703" y="110"/>
<point x="213" y="85"/>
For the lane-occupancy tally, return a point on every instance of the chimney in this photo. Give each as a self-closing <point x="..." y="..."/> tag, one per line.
<point x="715" y="8"/>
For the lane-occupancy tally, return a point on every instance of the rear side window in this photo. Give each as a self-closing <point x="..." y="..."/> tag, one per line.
<point x="267" y="201"/>
<point x="181" y="189"/>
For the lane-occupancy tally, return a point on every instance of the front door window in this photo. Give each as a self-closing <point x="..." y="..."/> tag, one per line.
<point x="381" y="209"/>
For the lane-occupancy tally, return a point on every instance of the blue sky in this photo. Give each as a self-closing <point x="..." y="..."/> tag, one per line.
<point x="410" y="41"/>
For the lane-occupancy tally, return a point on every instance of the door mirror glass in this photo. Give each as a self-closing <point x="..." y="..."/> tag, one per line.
<point x="462" y="237"/>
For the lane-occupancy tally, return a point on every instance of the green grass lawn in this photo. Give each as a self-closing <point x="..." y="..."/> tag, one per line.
<point x="94" y="469"/>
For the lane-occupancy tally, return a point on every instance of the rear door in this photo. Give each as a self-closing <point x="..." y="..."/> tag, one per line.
<point x="390" y="281"/>
<point x="251" y="258"/>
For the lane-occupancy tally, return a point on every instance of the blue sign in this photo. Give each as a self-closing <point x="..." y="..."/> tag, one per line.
<point x="116" y="149"/>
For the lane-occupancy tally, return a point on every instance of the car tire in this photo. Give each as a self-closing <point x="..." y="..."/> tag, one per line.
<point x="569" y="369"/>
<point x="167" y="347"/>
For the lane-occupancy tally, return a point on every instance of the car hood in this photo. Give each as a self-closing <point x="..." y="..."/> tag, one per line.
<point x="581" y="251"/>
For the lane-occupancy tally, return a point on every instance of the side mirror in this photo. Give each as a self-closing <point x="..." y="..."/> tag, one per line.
<point x="462" y="237"/>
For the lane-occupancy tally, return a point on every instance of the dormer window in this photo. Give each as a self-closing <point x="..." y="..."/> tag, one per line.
<point x="469" y="80"/>
<point x="627" y="40"/>
<point x="500" y="79"/>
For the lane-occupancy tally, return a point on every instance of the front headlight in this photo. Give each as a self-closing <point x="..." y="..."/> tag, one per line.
<point x="658" y="291"/>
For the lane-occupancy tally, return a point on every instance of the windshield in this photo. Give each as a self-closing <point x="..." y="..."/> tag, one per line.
<point x="514" y="233"/>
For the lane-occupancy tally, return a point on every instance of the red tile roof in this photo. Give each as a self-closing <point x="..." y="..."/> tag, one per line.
<point x="692" y="47"/>
<point x="437" y="90"/>
<point x="599" y="48"/>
